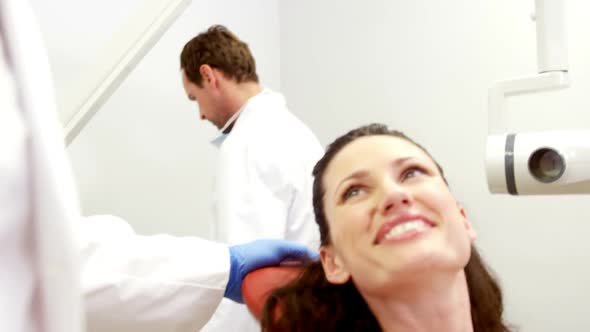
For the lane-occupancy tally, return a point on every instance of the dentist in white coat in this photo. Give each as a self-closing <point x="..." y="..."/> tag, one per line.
<point x="57" y="268"/>
<point x="266" y="154"/>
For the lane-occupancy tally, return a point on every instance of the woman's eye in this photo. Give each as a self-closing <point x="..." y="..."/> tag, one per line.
<point x="351" y="192"/>
<point x="413" y="172"/>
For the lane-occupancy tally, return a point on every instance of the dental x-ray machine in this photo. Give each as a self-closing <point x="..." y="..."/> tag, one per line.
<point x="537" y="163"/>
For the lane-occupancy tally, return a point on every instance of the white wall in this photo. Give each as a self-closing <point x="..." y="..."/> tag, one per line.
<point x="424" y="67"/>
<point x="146" y="155"/>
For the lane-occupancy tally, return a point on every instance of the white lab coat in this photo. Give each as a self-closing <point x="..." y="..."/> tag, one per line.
<point x="130" y="283"/>
<point x="149" y="283"/>
<point x="55" y="305"/>
<point x="263" y="186"/>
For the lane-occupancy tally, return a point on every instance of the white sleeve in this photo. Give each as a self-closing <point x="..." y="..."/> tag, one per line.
<point x="148" y="283"/>
<point x="253" y="196"/>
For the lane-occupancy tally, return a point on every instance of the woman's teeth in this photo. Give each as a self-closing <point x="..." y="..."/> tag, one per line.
<point x="414" y="225"/>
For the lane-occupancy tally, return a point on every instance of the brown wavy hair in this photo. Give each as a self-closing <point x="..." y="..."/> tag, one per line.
<point x="311" y="303"/>
<point x="219" y="48"/>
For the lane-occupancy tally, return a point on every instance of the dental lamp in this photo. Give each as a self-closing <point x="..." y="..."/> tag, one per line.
<point x="537" y="163"/>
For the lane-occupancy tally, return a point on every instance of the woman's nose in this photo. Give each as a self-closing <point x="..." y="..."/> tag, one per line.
<point x="394" y="197"/>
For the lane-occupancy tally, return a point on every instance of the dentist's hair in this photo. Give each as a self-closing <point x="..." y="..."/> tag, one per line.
<point x="219" y="48"/>
<point x="311" y="303"/>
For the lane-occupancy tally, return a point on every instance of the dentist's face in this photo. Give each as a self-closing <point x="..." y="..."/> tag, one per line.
<point x="391" y="215"/>
<point x="205" y="98"/>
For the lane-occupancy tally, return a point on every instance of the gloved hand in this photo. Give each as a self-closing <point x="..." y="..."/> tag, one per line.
<point x="261" y="253"/>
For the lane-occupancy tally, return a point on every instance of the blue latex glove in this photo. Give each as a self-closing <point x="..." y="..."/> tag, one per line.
<point x="261" y="253"/>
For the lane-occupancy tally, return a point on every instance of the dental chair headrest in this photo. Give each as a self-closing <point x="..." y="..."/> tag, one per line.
<point x="259" y="284"/>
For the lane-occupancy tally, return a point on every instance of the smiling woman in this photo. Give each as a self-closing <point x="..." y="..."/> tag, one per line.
<point x="396" y="250"/>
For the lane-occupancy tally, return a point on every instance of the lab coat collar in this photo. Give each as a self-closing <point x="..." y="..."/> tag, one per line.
<point x="227" y="128"/>
<point x="223" y="132"/>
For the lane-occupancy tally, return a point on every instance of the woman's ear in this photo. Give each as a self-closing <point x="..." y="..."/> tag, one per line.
<point x="467" y="224"/>
<point x="333" y="267"/>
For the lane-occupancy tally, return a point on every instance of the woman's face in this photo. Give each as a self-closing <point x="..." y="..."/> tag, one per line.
<point x="391" y="216"/>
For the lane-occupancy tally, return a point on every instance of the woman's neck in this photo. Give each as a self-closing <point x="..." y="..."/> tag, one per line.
<point x="441" y="304"/>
